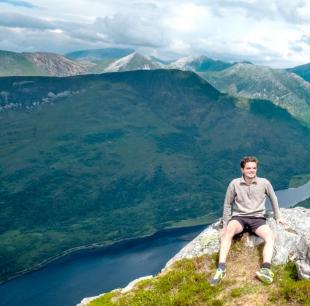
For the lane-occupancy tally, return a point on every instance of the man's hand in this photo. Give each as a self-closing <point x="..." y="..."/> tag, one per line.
<point x="281" y="221"/>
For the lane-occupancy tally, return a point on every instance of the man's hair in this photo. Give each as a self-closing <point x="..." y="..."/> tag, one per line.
<point x="248" y="159"/>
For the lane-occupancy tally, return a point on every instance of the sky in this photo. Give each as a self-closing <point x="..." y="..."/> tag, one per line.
<point x="274" y="33"/>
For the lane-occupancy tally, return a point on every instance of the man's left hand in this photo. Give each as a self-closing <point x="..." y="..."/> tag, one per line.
<point x="281" y="221"/>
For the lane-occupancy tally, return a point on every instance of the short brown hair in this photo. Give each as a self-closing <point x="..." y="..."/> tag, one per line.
<point x="248" y="159"/>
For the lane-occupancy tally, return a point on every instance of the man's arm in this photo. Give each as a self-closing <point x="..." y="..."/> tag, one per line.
<point x="274" y="203"/>
<point x="229" y="198"/>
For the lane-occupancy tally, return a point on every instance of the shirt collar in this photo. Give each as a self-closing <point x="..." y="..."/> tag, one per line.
<point x="242" y="180"/>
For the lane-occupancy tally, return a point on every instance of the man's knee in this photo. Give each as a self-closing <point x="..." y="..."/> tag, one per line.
<point x="270" y="238"/>
<point x="229" y="233"/>
<point x="265" y="233"/>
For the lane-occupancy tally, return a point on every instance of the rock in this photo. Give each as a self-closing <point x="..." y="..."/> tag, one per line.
<point x="289" y="244"/>
<point x="292" y="243"/>
<point x="207" y="242"/>
<point x="87" y="300"/>
<point x="130" y="286"/>
<point x="303" y="256"/>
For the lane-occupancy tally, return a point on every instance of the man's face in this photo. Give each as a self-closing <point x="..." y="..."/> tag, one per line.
<point x="249" y="170"/>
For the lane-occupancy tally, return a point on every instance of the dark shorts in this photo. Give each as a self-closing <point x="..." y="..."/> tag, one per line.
<point x="250" y="224"/>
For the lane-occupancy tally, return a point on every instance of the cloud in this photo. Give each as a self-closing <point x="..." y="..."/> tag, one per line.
<point x="136" y="30"/>
<point x="15" y="20"/>
<point x="18" y="3"/>
<point x="297" y="11"/>
<point x="265" y="31"/>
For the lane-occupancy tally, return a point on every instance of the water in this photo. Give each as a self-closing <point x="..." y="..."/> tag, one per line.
<point x="88" y="273"/>
<point x="291" y="196"/>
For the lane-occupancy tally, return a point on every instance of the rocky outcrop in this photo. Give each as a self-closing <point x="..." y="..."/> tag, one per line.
<point x="292" y="240"/>
<point x="292" y="243"/>
<point x="303" y="256"/>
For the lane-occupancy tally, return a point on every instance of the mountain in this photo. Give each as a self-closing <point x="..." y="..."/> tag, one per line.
<point x="99" y="54"/>
<point x="39" y="63"/>
<point x="302" y="70"/>
<point x="12" y="63"/>
<point x="55" y="64"/>
<point x="283" y="88"/>
<point x="199" y="64"/>
<point x="134" y="61"/>
<point x="94" y="159"/>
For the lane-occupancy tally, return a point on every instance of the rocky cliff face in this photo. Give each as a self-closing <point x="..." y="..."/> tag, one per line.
<point x="292" y="243"/>
<point x="57" y="65"/>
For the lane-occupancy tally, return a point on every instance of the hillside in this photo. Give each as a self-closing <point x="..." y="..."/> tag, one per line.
<point x="284" y="89"/>
<point x="134" y="61"/>
<point x="96" y="159"/>
<point x="98" y="54"/>
<point x="199" y="64"/>
<point x="12" y="63"/>
<point x="305" y="203"/>
<point x="39" y="64"/>
<point x="302" y="70"/>
<point x="99" y="59"/>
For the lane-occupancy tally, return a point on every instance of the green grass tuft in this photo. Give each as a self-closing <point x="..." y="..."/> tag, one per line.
<point x="184" y="285"/>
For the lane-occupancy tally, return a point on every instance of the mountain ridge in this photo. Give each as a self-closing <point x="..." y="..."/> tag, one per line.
<point x="84" y="155"/>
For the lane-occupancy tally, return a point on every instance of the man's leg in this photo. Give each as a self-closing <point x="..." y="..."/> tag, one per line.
<point x="233" y="228"/>
<point x="265" y="274"/>
<point x="266" y="233"/>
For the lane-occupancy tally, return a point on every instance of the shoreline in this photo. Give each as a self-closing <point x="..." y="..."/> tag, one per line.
<point x="119" y="243"/>
<point x="100" y="246"/>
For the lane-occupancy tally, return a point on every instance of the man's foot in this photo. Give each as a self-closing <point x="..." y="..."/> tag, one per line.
<point x="265" y="275"/>
<point x="219" y="275"/>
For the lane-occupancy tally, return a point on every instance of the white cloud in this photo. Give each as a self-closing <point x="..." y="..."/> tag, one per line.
<point x="266" y="32"/>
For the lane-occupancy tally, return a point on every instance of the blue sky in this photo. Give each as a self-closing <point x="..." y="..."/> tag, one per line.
<point x="266" y="32"/>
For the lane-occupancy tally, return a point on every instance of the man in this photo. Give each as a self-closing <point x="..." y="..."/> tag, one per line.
<point x="244" y="208"/>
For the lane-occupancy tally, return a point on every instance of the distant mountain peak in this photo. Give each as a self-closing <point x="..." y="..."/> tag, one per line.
<point x="199" y="63"/>
<point x="56" y="64"/>
<point x="133" y="61"/>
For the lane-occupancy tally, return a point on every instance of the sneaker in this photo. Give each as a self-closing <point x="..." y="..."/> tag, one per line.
<point x="265" y="275"/>
<point x="219" y="275"/>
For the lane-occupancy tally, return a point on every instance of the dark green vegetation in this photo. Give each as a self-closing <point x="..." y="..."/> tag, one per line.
<point x="100" y="158"/>
<point x="302" y="70"/>
<point x="299" y="180"/>
<point x="305" y="203"/>
<point x="187" y="284"/>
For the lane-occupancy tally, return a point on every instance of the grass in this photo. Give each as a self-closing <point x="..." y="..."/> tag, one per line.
<point x="186" y="283"/>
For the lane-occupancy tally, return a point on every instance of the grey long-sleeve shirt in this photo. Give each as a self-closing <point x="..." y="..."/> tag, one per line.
<point x="243" y="199"/>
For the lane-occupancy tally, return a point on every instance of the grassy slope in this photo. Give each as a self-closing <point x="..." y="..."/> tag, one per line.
<point x="160" y="145"/>
<point x="283" y="88"/>
<point x="303" y="71"/>
<point x="17" y="64"/>
<point x="186" y="284"/>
